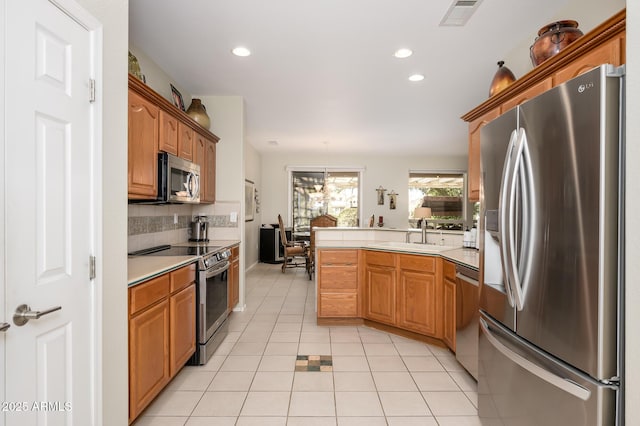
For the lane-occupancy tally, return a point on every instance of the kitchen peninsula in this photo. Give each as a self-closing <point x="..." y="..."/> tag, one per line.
<point x="381" y="278"/>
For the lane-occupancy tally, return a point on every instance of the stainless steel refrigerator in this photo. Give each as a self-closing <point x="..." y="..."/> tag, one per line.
<point x="550" y="350"/>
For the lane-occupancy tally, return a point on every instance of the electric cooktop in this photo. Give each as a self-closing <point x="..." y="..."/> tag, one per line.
<point x="167" y="250"/>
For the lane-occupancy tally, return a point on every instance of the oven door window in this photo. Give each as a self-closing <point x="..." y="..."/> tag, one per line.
<point x="216" y="303"/>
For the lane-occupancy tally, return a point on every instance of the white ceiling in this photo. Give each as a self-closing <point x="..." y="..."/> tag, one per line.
<point x="322" y="76"/>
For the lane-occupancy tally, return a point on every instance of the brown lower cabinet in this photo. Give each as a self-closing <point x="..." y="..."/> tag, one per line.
<point x="148" y="356"/>
<point x="449" y="305"/>
<point x="162" y="331"/>
<point x="404" y="291"/>
<point x="420" y="294"/>
<point x="182" y="332"/>
<point x="234" y="278"/>
<point x="380" y="287"/>
<point x="337" y="283"/>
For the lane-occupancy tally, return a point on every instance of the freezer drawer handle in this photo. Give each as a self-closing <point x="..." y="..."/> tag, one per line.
<point x="557" y="381"/>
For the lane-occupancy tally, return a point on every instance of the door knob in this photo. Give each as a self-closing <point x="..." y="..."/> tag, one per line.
<point x="24" y="314"/>
<point x="4" y="326"/>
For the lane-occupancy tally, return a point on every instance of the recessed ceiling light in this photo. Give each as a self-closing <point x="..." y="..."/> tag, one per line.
<point x="416" y="77"/>
<point x="403" y="53"/>
<point x="241" y="51"/>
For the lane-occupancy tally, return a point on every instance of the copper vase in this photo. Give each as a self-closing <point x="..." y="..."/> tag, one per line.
<point x="552" y="38"/>
<point x="503" y="78"/>
<point x="199" y="114"/>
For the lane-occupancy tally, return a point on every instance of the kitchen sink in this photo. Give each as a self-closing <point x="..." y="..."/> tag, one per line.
<point x="413" y="247"/>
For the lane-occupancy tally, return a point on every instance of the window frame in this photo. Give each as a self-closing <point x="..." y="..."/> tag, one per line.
<point x="351" y="169"/>
<point x="466" y="205"/>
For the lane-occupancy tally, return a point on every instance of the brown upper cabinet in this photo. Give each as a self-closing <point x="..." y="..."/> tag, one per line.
<point x="156" y="125"/>
<point x="610" y="52"/>
<point x="474" y="152"/>
<point x="185" y="142"/>
<point x="143" y="129"/>
<point x="204" y="155"/>
<point x="605" y="44"/>
<point x="168" y="133"/>
<point x="209" y="178"/>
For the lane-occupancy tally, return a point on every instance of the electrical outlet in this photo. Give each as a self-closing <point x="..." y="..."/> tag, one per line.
<point x="233" y="217"/>
<point x="175" y="218"/>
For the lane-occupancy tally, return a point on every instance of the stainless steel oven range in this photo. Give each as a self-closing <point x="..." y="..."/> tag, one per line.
<point x="212" y="303"/>
<point x="211" y="294"/>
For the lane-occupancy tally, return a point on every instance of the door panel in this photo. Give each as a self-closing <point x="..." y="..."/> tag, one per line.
<point x="570" y="301"/>
<point x="495" y="140"/>
<point x="380" y="294"/>
<point x="515" y="381"/>
<point x="419" y="302"/>
<point x="49" y="225"/>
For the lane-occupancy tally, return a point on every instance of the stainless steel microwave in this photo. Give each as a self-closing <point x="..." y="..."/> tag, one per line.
<point x="178" y="180"/>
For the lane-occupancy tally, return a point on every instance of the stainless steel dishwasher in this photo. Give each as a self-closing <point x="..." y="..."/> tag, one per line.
<point x="467" y="318"/>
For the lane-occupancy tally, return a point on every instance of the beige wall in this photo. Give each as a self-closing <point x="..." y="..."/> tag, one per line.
<point x="253" y="172"/>
<point x="157" y="78"/>
<point x="632" y="234"/>
<point x="112" y="262"/>
<point x="227" y="122"/>
<point x="588" y="13"/>
<point x="392" y="173"/>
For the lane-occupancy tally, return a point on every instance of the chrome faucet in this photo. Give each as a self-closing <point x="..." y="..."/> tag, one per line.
<point x="423" y="228"/>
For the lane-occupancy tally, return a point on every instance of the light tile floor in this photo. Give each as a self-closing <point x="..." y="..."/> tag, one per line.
<point x="377" y="378"/>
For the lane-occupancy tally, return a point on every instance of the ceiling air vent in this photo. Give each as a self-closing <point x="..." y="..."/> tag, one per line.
<point x="459" y="13"/>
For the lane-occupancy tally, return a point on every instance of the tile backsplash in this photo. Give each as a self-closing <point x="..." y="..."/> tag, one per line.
<point x="150" y="225"/>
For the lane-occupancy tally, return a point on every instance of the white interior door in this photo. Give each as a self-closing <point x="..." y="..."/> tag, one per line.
<point x="49" y="231"/>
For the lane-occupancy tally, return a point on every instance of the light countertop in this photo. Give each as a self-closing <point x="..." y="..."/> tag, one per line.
<point x="143" y="268"/>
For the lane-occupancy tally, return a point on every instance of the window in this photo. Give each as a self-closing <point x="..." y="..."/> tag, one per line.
<point x="316" y="192"/>
<point x="443" y="193"/>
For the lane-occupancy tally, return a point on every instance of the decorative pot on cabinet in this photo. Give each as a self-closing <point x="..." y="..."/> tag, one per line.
<point x="503" y="78"/>
<point x="552" y="38"/>
<point x="198" y="112"/>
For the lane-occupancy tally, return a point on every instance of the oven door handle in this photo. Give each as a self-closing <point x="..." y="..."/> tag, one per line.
<point x="211" y="272"/>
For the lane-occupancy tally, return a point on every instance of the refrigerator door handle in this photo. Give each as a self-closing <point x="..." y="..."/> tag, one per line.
<point x="503" y="229"/>
<point x="520" y="269"/>
<point x="562" y="383"/>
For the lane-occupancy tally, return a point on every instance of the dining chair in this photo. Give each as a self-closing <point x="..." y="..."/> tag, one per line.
<point x="322" y="221"/>
<point x="293" y="250"/>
